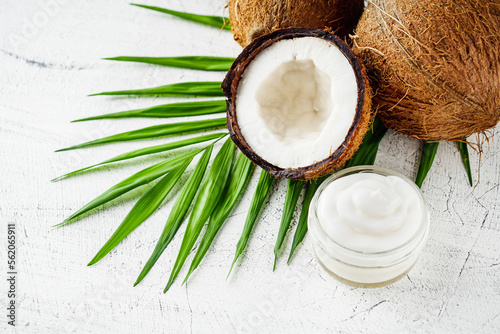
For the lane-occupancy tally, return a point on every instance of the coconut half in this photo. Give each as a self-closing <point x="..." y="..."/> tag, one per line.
<point x="298" y="103"/>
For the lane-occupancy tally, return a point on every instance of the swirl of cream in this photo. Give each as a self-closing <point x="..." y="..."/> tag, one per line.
<point x="370" y="212"/>
<point x="371" y="206"/>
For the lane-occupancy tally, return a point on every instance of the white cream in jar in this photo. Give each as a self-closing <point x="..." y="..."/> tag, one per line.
<point x="368" y="224"/>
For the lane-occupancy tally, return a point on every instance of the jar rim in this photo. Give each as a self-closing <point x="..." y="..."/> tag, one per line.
<point x="417" y="238"/>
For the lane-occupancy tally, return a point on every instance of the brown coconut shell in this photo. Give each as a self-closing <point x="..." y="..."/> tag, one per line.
<point x="362" y="120"/>
<point x="253" y="18"/>
<point x="434" y="65"/>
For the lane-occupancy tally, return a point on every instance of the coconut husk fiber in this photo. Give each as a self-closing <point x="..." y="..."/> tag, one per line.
<point x="433" y="65"/>
<point x="253" y="18"/>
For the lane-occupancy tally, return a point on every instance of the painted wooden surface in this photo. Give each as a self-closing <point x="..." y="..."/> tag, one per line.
<point x="50" y="54"/>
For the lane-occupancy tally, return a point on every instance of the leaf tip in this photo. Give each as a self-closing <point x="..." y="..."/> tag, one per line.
<point x="68" y="148"/>
<point x="169" y="284"/>
<point x="96" y="259"/>
<point x="83" y="119"/>
<point x="231" y="269"/>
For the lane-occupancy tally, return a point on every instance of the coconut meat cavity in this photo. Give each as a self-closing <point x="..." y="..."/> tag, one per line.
<point x="296" y="101"/>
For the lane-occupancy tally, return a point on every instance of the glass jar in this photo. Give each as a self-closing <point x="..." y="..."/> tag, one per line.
<point x="361" y="267"/>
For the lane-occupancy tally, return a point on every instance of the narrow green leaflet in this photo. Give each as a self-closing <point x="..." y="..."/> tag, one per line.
<point x="213" y="21"/>
<point x="428" y="153"/>
<point x="206" y="88"/>
<point x="144" y="208"/>
<point x="365" y="155"/>
<point x="205" y="63"/>
<point x="464" y="152"/>
<point x="301" y="230"/>
<point x="181" y="109"/>
<point x="208" y="197"/>
<point x="263" y="186"/>
<point x="292" y="196"/>
<point x="367" y="151"/>
<point x="178" y="212"/>
<point x="239" y="178"/>
<point x="138" y="179"/>
<point x="147" y="151"/>
<point x="155" y="131"/>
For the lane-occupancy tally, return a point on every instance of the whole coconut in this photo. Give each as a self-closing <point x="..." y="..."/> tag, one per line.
<point x="253" y="18"/>
<point x="434" y="65"/>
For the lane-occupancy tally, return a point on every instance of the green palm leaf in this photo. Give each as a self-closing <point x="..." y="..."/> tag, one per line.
<point x="178" y="212"/>
<point x="155" y="131"/>
<point x="138" y="179"/>
<point x="291" y="198"/>
<point x="208" y="197"/>
<point x="464" y="152"/>
<point x="182" y="109"/>
<point x="301" y="229"/>
<point x="205" y="63"/>
<point x="144" y="208"/>
<point x="213" y="21"/>
<point x="239" y="177"/>
<point x="206" y="88"/>
<point x="428" y="153"/>
<point x="263" y="186"/>
<point x="147" y="151"/>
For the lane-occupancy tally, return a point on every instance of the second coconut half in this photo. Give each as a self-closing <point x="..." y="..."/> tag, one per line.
<point x="298" y="103"/>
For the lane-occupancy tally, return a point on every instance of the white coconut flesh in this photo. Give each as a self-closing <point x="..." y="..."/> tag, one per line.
<point x="296" y="101"/>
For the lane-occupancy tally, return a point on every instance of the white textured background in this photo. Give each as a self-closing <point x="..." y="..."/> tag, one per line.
<point x="49" y="63"/>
